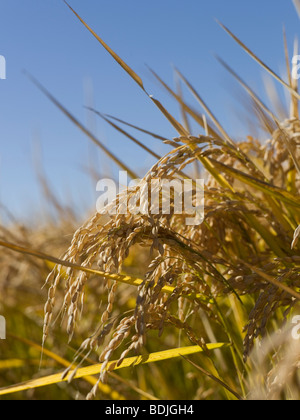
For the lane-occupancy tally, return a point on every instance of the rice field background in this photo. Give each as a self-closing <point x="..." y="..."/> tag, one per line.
<point x="143" y="306"/>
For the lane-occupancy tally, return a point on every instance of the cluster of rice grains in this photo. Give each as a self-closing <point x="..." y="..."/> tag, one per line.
<point x="201" y="263"/>
<point x="243" y="247"/>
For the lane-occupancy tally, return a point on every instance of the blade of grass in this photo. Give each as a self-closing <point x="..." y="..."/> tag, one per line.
<point x="206" y="108"/>
<point x="272" y="280"/>
<point x="131" y="385"/>
<point x="82" y="128"/>
<point x="198" y="118"/>
<point x="266" y="235"/>
<point x="178" y="127"/>
<point x="122" y="63"/>
<point x="106" y="389"/>
<point x="265" y="187"/>
<point x="142" y="130"/>
<point x="294" y="112"/>
<point x="95" y="369"/>
<point x="17" y="363"/>
<point x="133" y="281"/>
<point x="295" y="83"/>
<point x="247" y="88"/>
<point x="259" y="61"/>
<point x="225" y="135"/>
<point x="265" y="108"/>
<point x="116" y="127"/>
<point x="186" y="123"/>
<point x="183" y="112"/>
<point x="214" y="378"/>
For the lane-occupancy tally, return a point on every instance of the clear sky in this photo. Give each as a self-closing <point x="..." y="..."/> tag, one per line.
<point x="46" y="39"/>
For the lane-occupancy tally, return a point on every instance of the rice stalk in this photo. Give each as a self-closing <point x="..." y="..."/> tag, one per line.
<point x="240" y="267"/>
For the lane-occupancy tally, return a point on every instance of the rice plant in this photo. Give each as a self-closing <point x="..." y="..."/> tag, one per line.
<point x="209" y="302"/>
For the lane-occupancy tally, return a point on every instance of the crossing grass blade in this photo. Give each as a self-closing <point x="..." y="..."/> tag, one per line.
<point x="112" y="366"/>
<point x="136" y="141"/>
<point x="52" y="262"/>
<point x="214" y="378"/>
<point x="142" y="130"/>
<point x="104" y="388"/>
<point x="17" y="363"/>
<point x="273" y="281"/>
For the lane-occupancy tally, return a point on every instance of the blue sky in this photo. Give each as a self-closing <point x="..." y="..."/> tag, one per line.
<point x="44" y="38"/>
